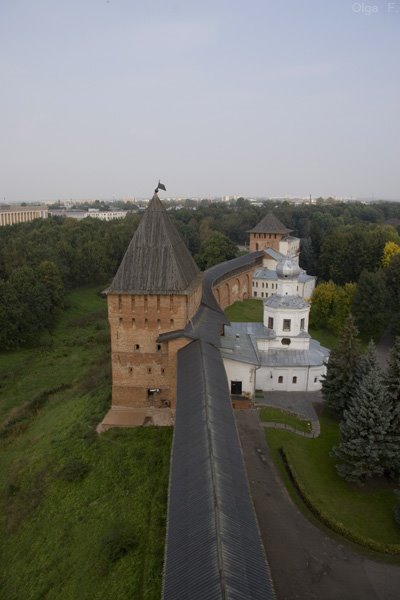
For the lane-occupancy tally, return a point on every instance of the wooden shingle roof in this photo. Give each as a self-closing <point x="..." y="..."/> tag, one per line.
<point x="157" y="260"/>
<point x="270" y="224"/>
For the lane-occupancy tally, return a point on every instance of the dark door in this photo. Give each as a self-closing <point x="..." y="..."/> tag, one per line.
<point x="236" y="388"/>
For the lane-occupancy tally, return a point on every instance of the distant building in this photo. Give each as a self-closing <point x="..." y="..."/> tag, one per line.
<point x="93" y="213"/>
<point x="14" y="213"/>
<point x="280" y="262"/>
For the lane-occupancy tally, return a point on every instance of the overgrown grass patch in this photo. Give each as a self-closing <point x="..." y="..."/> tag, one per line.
<point x="275" y="415"/>
<point x="247" y="311"/>
<point x="324" y="337"/>
<point x="361" y="513"/>
<point x="82" y="515"/>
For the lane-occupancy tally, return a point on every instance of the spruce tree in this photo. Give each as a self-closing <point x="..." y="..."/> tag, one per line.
<point x="363" y="450"/>
<point x="392" y="381"/>
<point x="341" y="378"/>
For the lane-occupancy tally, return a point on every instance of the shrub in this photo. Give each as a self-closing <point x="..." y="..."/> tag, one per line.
<point x="117" y="541"/>
<point x="74" y="470"/>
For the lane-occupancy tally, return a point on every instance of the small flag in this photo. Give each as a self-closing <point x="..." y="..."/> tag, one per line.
<point x="161" y="186"/>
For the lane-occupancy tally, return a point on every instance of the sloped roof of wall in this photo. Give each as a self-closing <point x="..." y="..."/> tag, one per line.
<point x="270" y="224"/>
<point x="157" y="260"/>
<point x="213" y="547"/>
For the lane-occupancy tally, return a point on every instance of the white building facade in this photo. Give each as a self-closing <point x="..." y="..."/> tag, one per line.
<point x="278" y="354"/>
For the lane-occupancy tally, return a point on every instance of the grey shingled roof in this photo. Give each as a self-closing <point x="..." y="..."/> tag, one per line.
<point x="213" y="548"/>
<point x="157" y="260"/>
<point x="277" y="301"/>
<point x="265" y="273"/>
<point x="270" y="224"/>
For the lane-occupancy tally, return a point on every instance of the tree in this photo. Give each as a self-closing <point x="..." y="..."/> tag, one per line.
<point x="390" y="250"/>
<point x="392" y="381"/>
<point x="340" y="381"/>
<point x="362" y="450"/>
<point x="217" y="248"/>
<point x="392" y="273"/>
<point x="370" y="304"/>
<point x="321" y="304"/>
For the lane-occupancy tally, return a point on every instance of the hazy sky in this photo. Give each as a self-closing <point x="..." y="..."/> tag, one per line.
<point x="100" y="98"/>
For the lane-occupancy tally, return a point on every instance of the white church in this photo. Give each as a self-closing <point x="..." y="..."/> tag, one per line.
<point x="278" y="354"/>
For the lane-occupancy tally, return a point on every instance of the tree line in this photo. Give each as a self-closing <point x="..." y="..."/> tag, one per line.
<point x="89" y="251"/>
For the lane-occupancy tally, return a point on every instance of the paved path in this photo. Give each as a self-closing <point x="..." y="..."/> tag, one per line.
<point x="383" y="348"/>
<point x="306" y="562"/>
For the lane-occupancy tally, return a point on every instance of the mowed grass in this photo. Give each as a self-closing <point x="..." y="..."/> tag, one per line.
<point x="324" y="337"/>
<point x="274" y="415"/>
<point x="367" y="512"/>
<point x="82" y="515"/>
<point x="248" y="311"/>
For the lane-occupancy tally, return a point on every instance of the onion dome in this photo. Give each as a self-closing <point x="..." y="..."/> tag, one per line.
<point x="287" y="269"/>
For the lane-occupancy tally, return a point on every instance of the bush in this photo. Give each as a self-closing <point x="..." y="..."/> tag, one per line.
<point x="74" y="470"/>
<point x="117" y="541"/>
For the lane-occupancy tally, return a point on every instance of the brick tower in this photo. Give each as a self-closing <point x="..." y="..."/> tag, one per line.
<point x="155" y="291"/>
<point x="267" y="234"/>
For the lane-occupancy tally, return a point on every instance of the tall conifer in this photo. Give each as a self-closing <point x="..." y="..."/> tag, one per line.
<point x="392" y="381"/>
<point x="340" y="381"/>
<point x="363" y="449"/>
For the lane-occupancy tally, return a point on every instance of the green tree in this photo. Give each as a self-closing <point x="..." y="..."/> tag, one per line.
<point x="321" y="304"/>
<point x="392" y="381"/>
<point x="215" y="249"/>
<point x="341" y="307"/>
<point x="370" y="304"/>
<point x="362" y="449"/>
<point x="392" y="273"/>
<point x="340" y="381"/>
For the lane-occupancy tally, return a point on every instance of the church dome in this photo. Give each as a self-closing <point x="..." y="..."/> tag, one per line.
<point x="287" y="268"/>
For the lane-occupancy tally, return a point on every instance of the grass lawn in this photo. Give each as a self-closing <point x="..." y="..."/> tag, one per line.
<point x="366" y="512"/>
<point x="324" y="337"/>
<point x="248" y="311"/>
<point x="82" y="515"/>
<point x="275" y="415"/>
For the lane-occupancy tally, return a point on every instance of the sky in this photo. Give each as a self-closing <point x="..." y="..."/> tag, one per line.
<point x="101" y="98"/>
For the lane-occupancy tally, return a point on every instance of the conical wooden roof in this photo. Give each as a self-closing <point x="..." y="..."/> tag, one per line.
<point x="157" y="260"/>
<point x="270" y="224"/>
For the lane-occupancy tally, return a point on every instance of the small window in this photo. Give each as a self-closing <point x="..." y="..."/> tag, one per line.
<point x="162" y="371"/>
<point x="255" y="294"/>
<point x="158" y="347"/>
<point x="302" y="324"/>
<point x="137" y="347"/>
<point x="280" y="379"/>
<point x="270" y="323"/>
<point x="263" y="284"/>
<point x="286" y="341"/>
<point x="120" y="320"/>
<point x="149" y="370"/>
<point x="294" y="379"/>
<point x="262" y="294"/>
<point x="266" y="285"/>
<point x="256" y="283"/>
<point x="158" y="303"/>
<point x="315" y="379"/>
<point x="132" y="303"/>
<point x="286" y="324"/>
<point x="146" y="323"/>
<point x="133" y="323"/>
<point x="130" y="369"/>
<point x="172" y="323"/>
<point x="158" y="324"/>
<point x="145" y="304"/>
